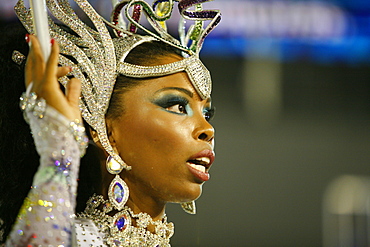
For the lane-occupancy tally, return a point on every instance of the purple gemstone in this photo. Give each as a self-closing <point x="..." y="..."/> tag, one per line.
<point x="120" y="223"/>
<point x="117" y="243"/>
<point x="118" y="192"/>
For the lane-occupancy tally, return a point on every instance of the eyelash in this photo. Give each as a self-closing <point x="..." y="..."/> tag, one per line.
<point x="180" y="102"/>
<point x="208" y="113"/>
<point x="167" y="103"/>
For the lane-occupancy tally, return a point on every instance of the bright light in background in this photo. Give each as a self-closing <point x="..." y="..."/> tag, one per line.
<point x="6" y="10"/>
<point x="251" y="18"/>
<point x="280" y="19"/>
<point x="329" y="31"/>
<point x="325" y="32"/>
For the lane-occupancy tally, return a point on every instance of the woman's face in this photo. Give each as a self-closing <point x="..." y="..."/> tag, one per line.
<point x="166" y="138"/>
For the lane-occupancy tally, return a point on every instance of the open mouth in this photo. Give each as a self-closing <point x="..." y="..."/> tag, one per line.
<point x="201" y="164"/>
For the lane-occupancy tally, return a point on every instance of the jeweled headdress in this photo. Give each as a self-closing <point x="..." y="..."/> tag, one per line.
<point x="97" y="59"/>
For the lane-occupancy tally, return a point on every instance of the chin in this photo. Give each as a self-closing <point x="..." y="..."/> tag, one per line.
<point x="193" y="193"/>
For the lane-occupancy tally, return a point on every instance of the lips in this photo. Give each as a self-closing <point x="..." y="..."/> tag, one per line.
<point x="200" y="163"/>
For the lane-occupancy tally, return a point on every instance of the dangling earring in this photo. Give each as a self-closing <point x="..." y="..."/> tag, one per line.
<point x="118" y="191"/>
<point x="189" y="207"/>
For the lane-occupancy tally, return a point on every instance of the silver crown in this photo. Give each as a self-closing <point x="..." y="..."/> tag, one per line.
<point x="96" y="58"/>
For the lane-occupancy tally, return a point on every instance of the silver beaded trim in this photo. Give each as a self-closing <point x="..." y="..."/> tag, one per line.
<point x="197" y="72"/>
<point x="30" y="102"/>
<point x="189" y="207"/>
<point x="127" y="234"/>
<point x="18" y="57"/>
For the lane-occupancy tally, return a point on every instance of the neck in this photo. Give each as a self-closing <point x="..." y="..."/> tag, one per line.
<point x="138" y="204"/>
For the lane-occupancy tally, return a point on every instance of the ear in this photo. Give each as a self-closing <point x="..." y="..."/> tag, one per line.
<point x="111" y="134"/>
<point x="94" y="135"/>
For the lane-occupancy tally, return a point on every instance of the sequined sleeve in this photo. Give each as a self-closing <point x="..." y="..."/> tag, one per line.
<point x="45" y="218"/>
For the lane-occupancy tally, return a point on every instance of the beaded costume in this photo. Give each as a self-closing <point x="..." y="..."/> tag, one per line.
<point x="47" y="216"/>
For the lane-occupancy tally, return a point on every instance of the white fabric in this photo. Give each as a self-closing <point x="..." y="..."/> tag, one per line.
<point x="87" y="234"/>
<point x="45" y="218"/>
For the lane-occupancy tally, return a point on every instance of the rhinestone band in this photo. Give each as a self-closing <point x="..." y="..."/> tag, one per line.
<point x="198" y="73"/>
<point x="30" y="102"/>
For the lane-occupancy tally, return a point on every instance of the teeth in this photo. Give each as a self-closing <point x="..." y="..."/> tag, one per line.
<point x="198" y="167"/>
<point x="204" y="160"/>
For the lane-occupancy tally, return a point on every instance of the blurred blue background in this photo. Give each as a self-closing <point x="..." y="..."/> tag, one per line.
<point x="322" y="31"/>
<point x="292" y="92"/>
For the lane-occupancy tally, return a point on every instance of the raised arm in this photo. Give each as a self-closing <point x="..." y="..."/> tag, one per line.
<point x="46" y="217"/>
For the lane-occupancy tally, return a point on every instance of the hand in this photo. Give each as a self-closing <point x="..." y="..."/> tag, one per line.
<point x="45" y="80"/>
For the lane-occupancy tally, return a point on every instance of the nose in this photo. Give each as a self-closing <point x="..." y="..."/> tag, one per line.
<point x="204" y="132"/>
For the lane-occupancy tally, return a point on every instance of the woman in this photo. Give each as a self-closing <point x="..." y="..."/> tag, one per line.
<point x="148" y="114"/>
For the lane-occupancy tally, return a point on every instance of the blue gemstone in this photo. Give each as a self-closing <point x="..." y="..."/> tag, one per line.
<point x="120" y="223"/>
<point x="118" y="192"/>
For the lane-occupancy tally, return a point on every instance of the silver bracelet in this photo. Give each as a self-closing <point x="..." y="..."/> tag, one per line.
<point x="31" y="102"/>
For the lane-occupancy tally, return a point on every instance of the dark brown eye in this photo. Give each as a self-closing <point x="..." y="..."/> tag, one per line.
<point x="209" y="114"/>
<point x="182" y="109"/>
<point x="178" y="108"/>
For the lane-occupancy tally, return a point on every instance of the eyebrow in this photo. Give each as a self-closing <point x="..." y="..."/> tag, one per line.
<point x="181" y="90"/>
<point x="177" y="89"/>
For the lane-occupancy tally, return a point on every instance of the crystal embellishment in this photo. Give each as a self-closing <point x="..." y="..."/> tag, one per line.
<point x="18" y="57"/>
<point x="125" y="228"/>
<point x="121" y="221"/>
<point x="113" y="166"/>
<point x="118" y="193"/>
<point x="197" y="72"/>
<point x="189" y="207"/>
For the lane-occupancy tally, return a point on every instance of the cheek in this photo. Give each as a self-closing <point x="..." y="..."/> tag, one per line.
<point x="161" y="136"/>
<point x="167" y="137"/>
<point x="165" y="130"/>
